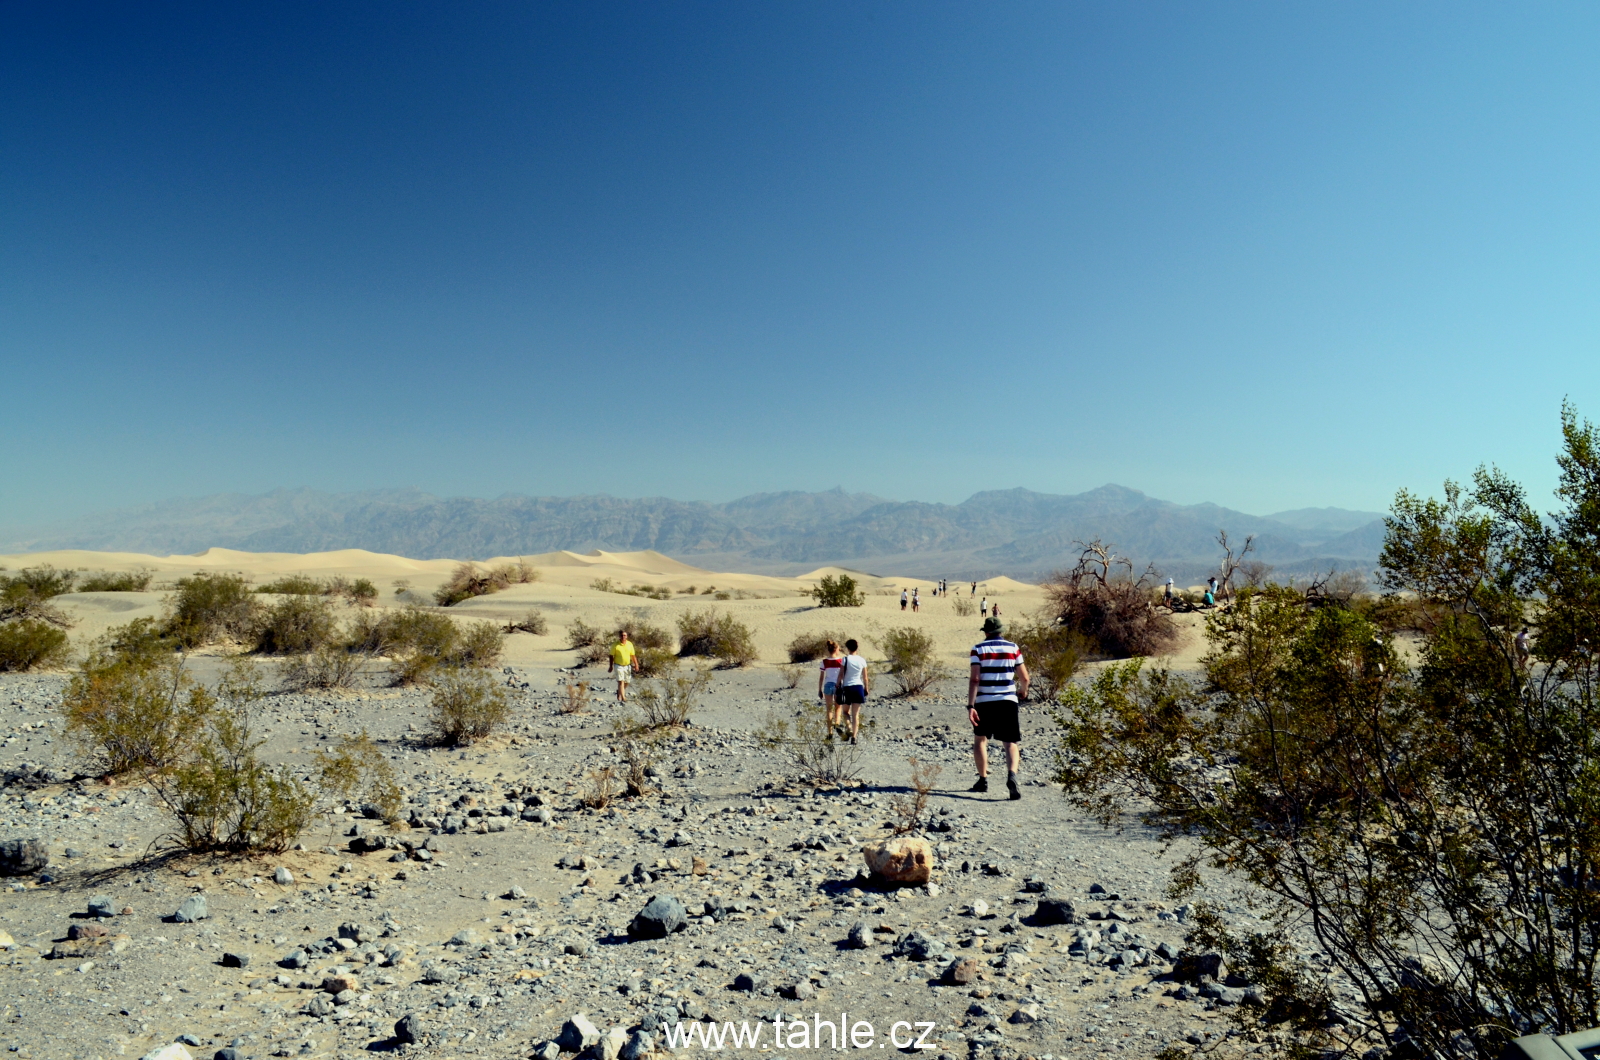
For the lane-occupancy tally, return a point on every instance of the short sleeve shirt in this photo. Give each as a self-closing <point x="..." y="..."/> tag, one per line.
<point x="997" y="661"/>
<point x="623" y="653"/>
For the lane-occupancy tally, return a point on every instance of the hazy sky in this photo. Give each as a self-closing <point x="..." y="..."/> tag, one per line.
<point x="1269" y="255"/>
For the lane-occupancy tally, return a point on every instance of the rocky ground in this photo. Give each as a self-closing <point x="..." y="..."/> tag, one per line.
<point x="504" y="911"/>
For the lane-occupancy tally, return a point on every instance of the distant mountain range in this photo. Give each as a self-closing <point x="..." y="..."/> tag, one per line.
<point x="1016" y="532"/>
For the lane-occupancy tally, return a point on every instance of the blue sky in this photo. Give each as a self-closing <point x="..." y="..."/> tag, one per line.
<point x="1267" y="255"/>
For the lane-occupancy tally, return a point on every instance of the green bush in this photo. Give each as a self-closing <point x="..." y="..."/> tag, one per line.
<point x="294" y="625"/>
<point x="116" y="582"/>
<point x="1053" y="654"/>
<point x="362" y="592"/>
<point x="27" y="594"/>
<point x="808" y="647"/>
<point x="30" y="644"/>
<point x="143" y="638"/>
<point x="838" y="590"/>
<point x="295" y="585"/>
<point x="720" y="636"/>
<point x="480" y="645"/>
<point x="134" y="712"/>
<point x="467" y="706"/>
<point x="329" y="666"/>
<point x="911" y="658"/>
<point x="210" y="607"/>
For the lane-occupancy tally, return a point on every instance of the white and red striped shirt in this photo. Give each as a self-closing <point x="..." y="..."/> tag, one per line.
<point x="997" y="661"/>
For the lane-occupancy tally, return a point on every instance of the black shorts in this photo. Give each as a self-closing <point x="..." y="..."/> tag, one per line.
<point x="850" y="695"/>
<point x="998" y="721"/>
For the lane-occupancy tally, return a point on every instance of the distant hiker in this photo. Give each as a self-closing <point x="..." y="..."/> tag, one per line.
<point x="1211" y="585"/>
<point x="854" y="685"/>
<point x="1210" y="599"/>
<point x="998" y="682"/>
<point x="974" y="589"/>
<point x="828" y="683"/>
<point x="1523" y="649"/>
<point x="983" y="608"/>
<point x="916" y="604"/>
<point x="903" y="599"/>
<point x="1166" y="593"/>
<point x="995" y="611"/>
<point x="622" y="659"/>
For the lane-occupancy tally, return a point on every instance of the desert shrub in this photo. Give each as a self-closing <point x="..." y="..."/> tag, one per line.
<point x="575" y="697"/>
<point x="143" y="638"/>
<point x="329" y="666"/>
<point x="1053" y="654"/>
<point x="963" y="605"/>
<point x="295" y="624"/>
<point x="667" y="702"/>
<point x="602" y="585"/>
<point x="467" y="706"/>
<point x="912" y="662"/>
<point x="30" y="644"/>
<point x="531" y="622"/>
<point x="792" y="673"/>
<point x="294" y="585"/>
<point x="210" y="607"/>
<point x="1425" y="820"/>
<point x="27" y="594"/>
<point x="720" y="636"/>
<point x="653" y="662"/>
<point x="602" y="790"/>
<point x="480" y="645"/>
<point x="838" y="590"/>
<point x="361" y="591"/>
<point x="638" y="753"/>
<point x="357" y="771"/>
<point x="818" y="754"/>
<point x="116" y="582"/>
<point x="469" y="580"/>
<point x="808" y="647"/>
<point x="1102" y="601"/>
<point x="910" y="809"/>
<point x="582" y="635"/>
<point x="134" y="712"/>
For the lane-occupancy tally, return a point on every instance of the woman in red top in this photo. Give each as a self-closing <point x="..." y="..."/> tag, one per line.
<point x="828" y="683"/>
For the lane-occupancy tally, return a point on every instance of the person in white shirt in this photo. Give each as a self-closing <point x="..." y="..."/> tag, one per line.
<point x="854" y="686"/>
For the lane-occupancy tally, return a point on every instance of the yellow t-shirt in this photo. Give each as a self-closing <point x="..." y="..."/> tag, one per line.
<point x="623" y="654"/>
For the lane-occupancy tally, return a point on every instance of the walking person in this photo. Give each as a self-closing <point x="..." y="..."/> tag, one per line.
<point x="983" y="608"/>
<point x="1166" y="593"/>
<point x="998" y="682"/>
<point x="974" y="589"/>
<point x="828" y="683"/>
<point x="622" y="660"/>
<point x="854" y="686"/>
<point x="916" y="604"/>
<point x="903" y="599"/>
<point x="996" y="609"/>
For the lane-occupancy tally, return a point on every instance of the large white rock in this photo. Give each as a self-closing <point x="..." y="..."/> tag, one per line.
<point x="175" y="1051"/>
<point x="904" y="860"/>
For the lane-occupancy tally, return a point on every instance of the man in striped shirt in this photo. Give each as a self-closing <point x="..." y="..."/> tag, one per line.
<point x="999" y="681"/>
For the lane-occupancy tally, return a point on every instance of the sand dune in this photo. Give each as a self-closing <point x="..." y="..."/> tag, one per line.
<point x="775" y="608"/>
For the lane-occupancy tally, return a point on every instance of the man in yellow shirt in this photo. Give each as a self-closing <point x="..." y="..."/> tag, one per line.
<point x="622" y="659"/>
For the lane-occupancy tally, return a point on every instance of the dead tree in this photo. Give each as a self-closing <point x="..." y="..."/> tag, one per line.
<point x="1231" y="563"/>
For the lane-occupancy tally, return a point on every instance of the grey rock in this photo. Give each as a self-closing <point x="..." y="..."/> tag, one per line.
<point x="547" y="1051"/>
<point x="408" y="1028"/>
<point x="21" y="857"/>
<point x="192" y="910"/>
<point x="577" y="1033"/>
<point x="919" y="946"/>
<point x="283" y="876"/>
<point x="1025" y="1014"/>
<point x="640" y="1045"/>
<point x="1168" y="952"/>
<point x="860" y="936"/>
<point x="802" y="990"/>
<point x="663" y="915"/>
<point x="228" y="1052"/>
<point x="319" y="1005"/>
<point x="101" y="906"/>
<point x="295" y="959"/>
<point x="465" y="937"/>
<point x="610" y="1045"/>
<point x="236" y="960"/>
<point x="748" y="982"/>
<point x="1198" y="967"/>
<point x="577" y="947"/>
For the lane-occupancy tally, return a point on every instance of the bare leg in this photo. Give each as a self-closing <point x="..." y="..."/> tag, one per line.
<point x="1013" y="758"/>
<point x="855" y="719"/>
<point x="980" y="754"/>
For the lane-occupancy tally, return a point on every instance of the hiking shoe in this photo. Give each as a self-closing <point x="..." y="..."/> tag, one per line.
<point x="852" y="739"/>
<point x="981" y="785"/>
<point x="1011" y="786"/>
